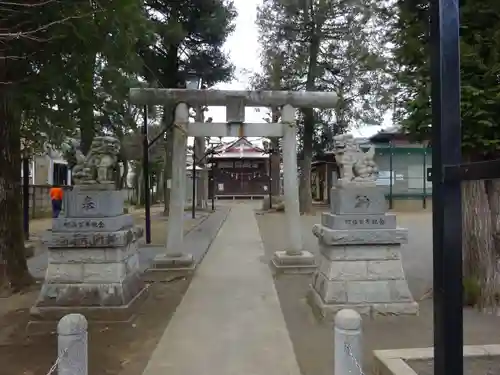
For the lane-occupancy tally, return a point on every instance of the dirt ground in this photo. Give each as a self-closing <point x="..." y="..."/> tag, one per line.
<point x="313" y="339"/>
<point x="121" y="349"/>
<point x="159" y="223"/>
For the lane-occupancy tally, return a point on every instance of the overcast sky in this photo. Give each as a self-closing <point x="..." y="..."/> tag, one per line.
<point x="243" y="49"/>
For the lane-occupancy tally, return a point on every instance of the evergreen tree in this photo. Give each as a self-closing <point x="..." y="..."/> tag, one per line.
<point x="45" y="84"/>
<point x="188" y="36"/>
<point x="480" y="102"/>
<point x="326" y="45"/>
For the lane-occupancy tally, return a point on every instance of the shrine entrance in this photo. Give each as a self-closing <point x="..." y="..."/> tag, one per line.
<point x="295" y="257"/>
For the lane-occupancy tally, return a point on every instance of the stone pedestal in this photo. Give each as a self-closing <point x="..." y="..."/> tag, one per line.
<point x="93" y="260"/>
<point x="170" y="265"/>
<point x="360" y="263"/>
<point x="302" y="262"/>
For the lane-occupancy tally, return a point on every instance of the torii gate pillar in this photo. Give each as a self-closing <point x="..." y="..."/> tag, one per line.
<point x="294" y="259"/>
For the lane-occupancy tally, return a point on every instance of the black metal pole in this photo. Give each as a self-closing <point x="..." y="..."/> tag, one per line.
<point x="446" y="196"/>
<point x="26" y="198"/>
<point x="193" y="192"/>
<point x="213" y="186"/>
<point x="145" y="170"/>
<point x="391" y="179"/>
<point x="424" y="179"/>
<point x="270" y="182"/>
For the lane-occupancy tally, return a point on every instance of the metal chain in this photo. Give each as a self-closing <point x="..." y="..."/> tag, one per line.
<point x="347" y="349"/>
<point x="60" y="357"/>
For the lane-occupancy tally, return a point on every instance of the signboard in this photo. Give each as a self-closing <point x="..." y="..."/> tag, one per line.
<point x="384" y="178"/>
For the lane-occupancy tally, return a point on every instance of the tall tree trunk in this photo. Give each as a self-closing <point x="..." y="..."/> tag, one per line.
<point x="275" y="156"/>
<point x="85" y="99"/>
<point x="199" y="153"/>
<point x="124" y="175"/>
<point x="14" y="269"/>
<point x="276" y="78"/>
<point x="140" y="189"/>
<point x="167" y="161"/>
<point x="275" y="168"/>
<point x="171" y="81"/>
<point x="478" y="246"/>
<point x="305" y="193"/>
<point x="493" y="190"/>
<point x="159" y="186"/>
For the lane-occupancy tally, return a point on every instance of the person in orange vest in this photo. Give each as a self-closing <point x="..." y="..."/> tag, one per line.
<point x="56" y="197"/>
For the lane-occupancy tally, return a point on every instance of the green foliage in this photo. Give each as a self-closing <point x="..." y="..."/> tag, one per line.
<point x="471" y="291"/>
<point x="335" y="46"/>
<point x="61" y="52"/>
<point x="66" y="68"/>
<point x="480" y="68"/>
<point x="188" y="35"/>
<point x="76" y="61"/>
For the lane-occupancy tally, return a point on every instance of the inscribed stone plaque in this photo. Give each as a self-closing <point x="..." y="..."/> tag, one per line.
<point x="93" y="239"/>
<point x="94" y="204"/>
<point x="91" y="224"/>
<point x="358" y="221"/>
<point x="357" y="200"/>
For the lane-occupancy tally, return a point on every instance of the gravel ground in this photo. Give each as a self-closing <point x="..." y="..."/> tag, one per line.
<point x="313" y="340"/>
<point x="472" y="366"/>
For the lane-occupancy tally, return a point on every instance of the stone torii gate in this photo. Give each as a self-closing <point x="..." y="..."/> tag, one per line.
<point x="295" y="258"/>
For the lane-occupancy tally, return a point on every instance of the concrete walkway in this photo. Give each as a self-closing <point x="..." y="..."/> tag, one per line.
<point x="230" y="321"/>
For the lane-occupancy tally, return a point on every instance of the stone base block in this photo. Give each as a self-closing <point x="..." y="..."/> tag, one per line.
<point x="91" y="279"/>
<point x="361" y="270"/>
<point x="90" y="294"/>
<point x="165" y="266"/>
<point x="44" y="319"/>
<point x="355" y="291"/>
<point x="355" y="253"/>
<point x="342" y="237"/>
<point x="358" y="221"/>
<point x="327" y="311"/>
<point x="302" y="263"/>
<point x="369" y="279"/>
<point x="95" y="239"/>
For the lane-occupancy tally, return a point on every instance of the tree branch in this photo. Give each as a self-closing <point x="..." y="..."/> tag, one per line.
<point x="28" y="34"/>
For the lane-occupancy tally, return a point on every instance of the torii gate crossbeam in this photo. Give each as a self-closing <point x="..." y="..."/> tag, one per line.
<point x="294" y="259"/>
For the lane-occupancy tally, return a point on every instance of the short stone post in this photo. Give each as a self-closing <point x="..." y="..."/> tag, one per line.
<point x="72" y="345"/>
<point x="348" y="349"/>
<point x="294" y="259"/>
<point x="175" y="259"/>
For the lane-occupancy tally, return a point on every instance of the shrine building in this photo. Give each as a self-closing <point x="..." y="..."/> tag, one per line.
<point x="241" y="170"/>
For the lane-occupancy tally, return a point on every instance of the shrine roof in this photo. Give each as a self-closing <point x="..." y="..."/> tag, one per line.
<point x="239" y="149"/>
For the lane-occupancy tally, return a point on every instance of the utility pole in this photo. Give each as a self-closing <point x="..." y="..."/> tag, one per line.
<point x="145" y="169"/>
